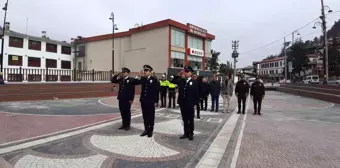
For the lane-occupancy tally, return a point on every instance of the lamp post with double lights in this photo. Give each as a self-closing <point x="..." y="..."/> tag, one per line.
<point x="114" y="27"/>
<point x="3" y="36"/>
<point x="324" y="31"/>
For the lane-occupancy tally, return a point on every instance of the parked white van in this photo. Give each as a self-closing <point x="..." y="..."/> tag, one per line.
<point x="311" y="79"/>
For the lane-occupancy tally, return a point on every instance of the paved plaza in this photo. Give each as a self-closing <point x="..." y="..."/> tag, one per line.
<point x="292" y="132"/>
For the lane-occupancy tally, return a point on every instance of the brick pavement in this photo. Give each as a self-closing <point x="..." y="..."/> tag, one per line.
<point x="301" y="138"/>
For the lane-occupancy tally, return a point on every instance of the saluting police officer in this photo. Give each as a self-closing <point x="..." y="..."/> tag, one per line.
<point x="126" y="94"/>
<point x="148" y="98"/>
<point x="257" y="93"/>
<point x="242" y="91"/>
<point x="188" y="99"/>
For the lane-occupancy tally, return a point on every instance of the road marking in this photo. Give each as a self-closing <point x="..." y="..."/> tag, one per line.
<point x="219" y="144"/>
<point x="59" y="136"/>
<point x="319" y="88"/>
<point x="325" y="122"/>
<point x="304" y="109"/>
<point x="314" y="92"/>
<point x="239" y="140"/>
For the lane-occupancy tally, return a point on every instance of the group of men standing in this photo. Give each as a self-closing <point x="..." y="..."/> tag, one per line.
<point x="191" y="92"/>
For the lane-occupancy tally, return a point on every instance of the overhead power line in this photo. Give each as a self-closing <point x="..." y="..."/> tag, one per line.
<point x="280" y="39"/>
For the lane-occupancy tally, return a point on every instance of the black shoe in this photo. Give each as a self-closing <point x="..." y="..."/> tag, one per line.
<point x="243" y="113"/>
<point x="212" y="110"/>
<point x="121" y="128"/>
<point x="205" y="109"/>
<point x="239" y="112"/>
<point x="183" y="136"/>
<point x="254" y="114"/>
<point x="169" y="107"/>
<point x="259" y="114"/>
<point x="127" y="128"/>
<point x="149" y="134"/>
<point x="198" y="117"/>
<point x="216" y="111"/>
<point x="191" y="137"/>
<point x="144" y="133"/>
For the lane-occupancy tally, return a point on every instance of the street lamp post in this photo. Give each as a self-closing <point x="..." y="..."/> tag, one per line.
<point x="324" y="31"/>
<point x="114" y="27"/>
<point x="3" y="36"/>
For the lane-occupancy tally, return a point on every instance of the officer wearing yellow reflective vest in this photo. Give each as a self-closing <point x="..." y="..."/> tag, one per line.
<point x="172" y="93"/>
<point x="163" y="89"/>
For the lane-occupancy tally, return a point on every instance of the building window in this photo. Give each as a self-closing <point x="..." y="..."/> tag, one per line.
<point x="207" y="64"/>
<point x="276" y="64"/>
<point x="81" y="51"/>
<point x="65" y="64"/>
<point x="277" y="71"/>
<point x="66" y="50"/>
<point x="207" y="46"/>
<point x="51" y="63"/>
<point x="34" y="45"/>
<point x="33" y="62"/>
<point x="177" y="38"/>
<point x="51" y="47"/>
<point x="195" y="62"/>
<point x="177" y="59"/>
<point x="16" y="42"/>
<point x="14" y="60"/>
<point x="194" y="42"/>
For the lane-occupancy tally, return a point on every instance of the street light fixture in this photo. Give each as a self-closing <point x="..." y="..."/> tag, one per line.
<point x="114" y="27"/>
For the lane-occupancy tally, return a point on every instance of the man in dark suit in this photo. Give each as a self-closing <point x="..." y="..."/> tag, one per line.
<point x="188" y="99"/>
<point x="126" y="94"/>
<point x="242" y="91"/>
<point x="257" y="93"/>
<point x="195" y="77"/>
<point x="204" y="93"/>
<point x="179" y="80"/>
<point x="215" y="90"/>
<point x="148" y="98"/>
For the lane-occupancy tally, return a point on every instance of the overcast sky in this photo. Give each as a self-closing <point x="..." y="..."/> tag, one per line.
<point x="253" y="22"/>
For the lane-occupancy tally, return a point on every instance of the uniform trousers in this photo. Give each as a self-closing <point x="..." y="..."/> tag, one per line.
<point x="125" y="112"/>
<point x="163" y="91"/>
<point x="188" y="113"/>
<point x="172" y="98"/>
<point x="242" y="98"/>
<point x="257" y="104"/>
<point x="148" y="111"/>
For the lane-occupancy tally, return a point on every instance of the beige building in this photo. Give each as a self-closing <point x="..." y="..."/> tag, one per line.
<point x="165" y="45"/>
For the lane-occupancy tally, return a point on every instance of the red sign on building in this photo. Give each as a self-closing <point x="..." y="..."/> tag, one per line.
<point x="197" y="30"/>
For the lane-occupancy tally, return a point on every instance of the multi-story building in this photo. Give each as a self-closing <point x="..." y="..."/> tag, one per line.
<point x="31" y="52"/>
<point x="165" y="45"/>
<point x="272" y="68"/>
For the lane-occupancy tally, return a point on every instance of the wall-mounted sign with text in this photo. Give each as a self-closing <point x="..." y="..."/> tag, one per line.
<point x="197" y="30"/>
<point x="196" y="52"/>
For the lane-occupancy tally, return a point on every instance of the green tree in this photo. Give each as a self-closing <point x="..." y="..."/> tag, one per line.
<point x="226" y="69"/>
<point x="334" y="58"/>
<point x="298" y="56"/>
<point x="214" y="61"/>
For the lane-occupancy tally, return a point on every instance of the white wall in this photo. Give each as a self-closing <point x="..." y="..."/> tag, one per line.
<point x="25" y="53"/>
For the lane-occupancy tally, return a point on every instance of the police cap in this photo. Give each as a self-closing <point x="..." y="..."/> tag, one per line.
<point x="147" y="67"/>
<point x="188" y="69"/>
<point x="124" y="69"/>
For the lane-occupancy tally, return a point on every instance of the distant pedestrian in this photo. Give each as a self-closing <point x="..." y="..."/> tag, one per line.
<point x="204" y="93"/>
<point x="1" y="79"/>
<point x="242" y="91"/>
<point x="195" y="77"/>
<point x="163" y="90"/>
<point x="257" y="93"/>
<point x="215" y="90"/>
<point x="227" y="92"/>
<point x="148" y="98"/>
<point x="172" y="93"/>
<point x="126" y="94"/>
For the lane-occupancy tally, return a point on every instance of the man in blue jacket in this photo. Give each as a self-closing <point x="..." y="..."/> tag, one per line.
<point x="215" y="90"/>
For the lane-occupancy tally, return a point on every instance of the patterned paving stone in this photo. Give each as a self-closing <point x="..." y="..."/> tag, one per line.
<point x="172" y="127"/>
<point x="132" y="145"/>
<point x="30" y="161"/>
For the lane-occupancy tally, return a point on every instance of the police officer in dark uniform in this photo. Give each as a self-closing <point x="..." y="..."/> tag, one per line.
<point x="195" y="77"/>
<point x="242" y="91"/>
<point x="148" y="98"/>
<point x="257" y="93"/>
<point x="126" y="94"/>
<point x="180" y="81"/>
<point x="188" y="99"/>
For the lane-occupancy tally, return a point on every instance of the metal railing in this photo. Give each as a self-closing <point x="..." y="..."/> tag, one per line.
<point x="58" y="75"/>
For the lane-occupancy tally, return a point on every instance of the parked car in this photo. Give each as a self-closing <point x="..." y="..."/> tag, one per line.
<point x="283" y="81"/>
<point x="311" y="79"/>
<point x="338" y="82"/>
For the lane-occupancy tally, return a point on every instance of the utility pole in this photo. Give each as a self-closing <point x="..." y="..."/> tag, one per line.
<point x="285" y="52"/>
<point x="235" y="55"/>
<point x="324" y="30"/>
<point x="3" y="36"/>
<point x="114" y="27"/>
